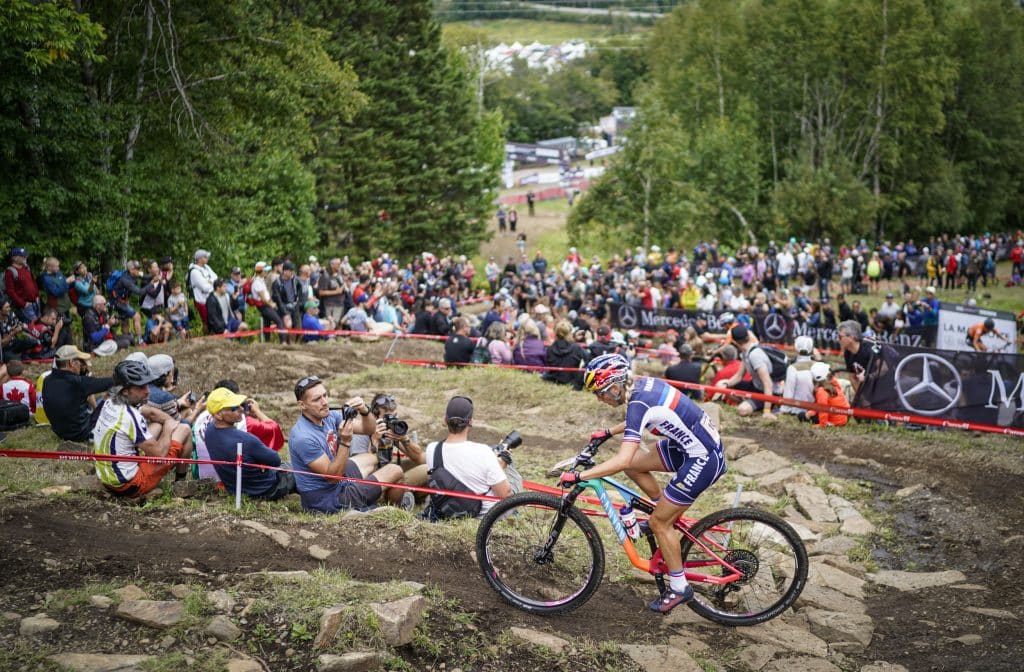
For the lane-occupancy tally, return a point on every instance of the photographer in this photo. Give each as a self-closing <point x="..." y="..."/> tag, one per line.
<point x="474" y="466"/>
<point x="320" y="441"/>
<point x="52" y="332"/>
<point x="372" y="451"/>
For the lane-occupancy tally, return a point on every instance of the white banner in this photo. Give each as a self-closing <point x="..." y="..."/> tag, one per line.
<point x="955" y="320"/>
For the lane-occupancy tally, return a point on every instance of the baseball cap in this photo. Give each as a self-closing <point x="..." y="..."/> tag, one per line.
<point x="106" y="348"/>
<point x="19" y="252"/>
<point x="288" y="266"/>
<point x="66" y="353"/>
<point x="740" y="334"/>
<point x="202" y="253"/>
<point x="160" y="364"/>
<point x="459" y="408"/>
<point x="312" y="259"/>
<point x="888" y="295"/>
<point x="312" y="303"/>
<point x="235" y="269"/>
<point x="929" y="290"/>
<point x="222" y="398"/>
<point x="260" y="266"/>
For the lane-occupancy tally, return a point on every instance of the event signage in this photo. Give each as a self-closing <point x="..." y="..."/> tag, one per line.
<point x="966" y="386"/>
<point x="955" y="320"/>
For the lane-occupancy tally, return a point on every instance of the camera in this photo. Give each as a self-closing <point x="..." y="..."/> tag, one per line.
<point x="192" y="398"/>
<point x="394" y="425"/>
<point x="348" y="413"/>
<point x="512" y="440"/>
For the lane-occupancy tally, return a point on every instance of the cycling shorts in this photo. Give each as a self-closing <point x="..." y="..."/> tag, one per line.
<point x="693" y="475"/>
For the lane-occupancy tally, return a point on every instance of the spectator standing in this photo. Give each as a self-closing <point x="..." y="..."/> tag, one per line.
<point x="287" y="295"/>
<point x="200" y="278"/>
<point x="513" y="219"/>
<point x="85" y="287"/>
<point x="21" y="287"/>
<point x="68" y="392"/>
<point x="492" y="272"/>
<point x="219" y="314"/>
<point x="154" y="290"/>
<point x="331" y="287"/>
<point x="56" y="284"/>
<point x="530" y="198"/>
<point x="125" y="287"/>
<point x="501" y="218"/>
<point x="177" y="310"/>
<point x="259" y="297"/>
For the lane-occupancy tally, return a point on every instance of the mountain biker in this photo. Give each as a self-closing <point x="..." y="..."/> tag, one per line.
<point x="691" y="448"/>
<point x="976" y="331"/>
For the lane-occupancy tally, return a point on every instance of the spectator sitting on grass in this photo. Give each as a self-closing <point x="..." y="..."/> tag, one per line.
<point x="158" y="327"/>
<point x="528" y="350"/>
<point x="222" y="437"/>
<point x="127" y="427"/>
<point x="458" y="349"/>
<point x="17" y="388"/>
<point x="827" y="392"/>
<point x="253" y="420"/>
<point x="497" y="343"/>
<point x="68" y="392"/>
<point x="312" y="322"/>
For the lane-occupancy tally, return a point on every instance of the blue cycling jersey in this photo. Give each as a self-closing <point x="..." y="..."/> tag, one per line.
<point x="664" y="411"/>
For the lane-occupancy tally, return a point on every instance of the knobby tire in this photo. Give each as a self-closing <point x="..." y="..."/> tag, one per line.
<point x="508" y="547"/>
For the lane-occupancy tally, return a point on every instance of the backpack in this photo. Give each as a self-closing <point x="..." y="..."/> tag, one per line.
<point x="778" y="359"/>
<point x="112" y="280"/>
<point x="250" y="299"/>
<point x="446" y="507"/>
<point x="481" y="353"/>
<point x="14" y="415"/>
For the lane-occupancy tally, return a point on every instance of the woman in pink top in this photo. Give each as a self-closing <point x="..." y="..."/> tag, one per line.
<point x="497" y="343"/>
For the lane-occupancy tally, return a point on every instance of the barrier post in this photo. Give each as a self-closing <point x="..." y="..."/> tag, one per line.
<point x="238" y="475"/>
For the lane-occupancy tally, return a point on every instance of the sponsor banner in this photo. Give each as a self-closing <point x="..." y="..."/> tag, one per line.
<point x="962" y="386"/>
<point x="630" y="316"/>
<point x="955" y="320"/>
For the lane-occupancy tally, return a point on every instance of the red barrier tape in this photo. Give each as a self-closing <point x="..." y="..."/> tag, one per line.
<point x="867" y="413"/>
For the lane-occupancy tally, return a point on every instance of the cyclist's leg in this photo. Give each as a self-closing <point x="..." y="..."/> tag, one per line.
<point x="640" y="468"/>
<point x="692" y="478"/>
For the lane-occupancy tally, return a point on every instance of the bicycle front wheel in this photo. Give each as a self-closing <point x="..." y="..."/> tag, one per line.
<point x="763" y="548"/>
<point x="537" y="559"/>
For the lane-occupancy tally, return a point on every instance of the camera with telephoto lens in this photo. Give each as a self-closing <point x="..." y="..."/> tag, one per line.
<point x="394" y="425"/>
<point x="512" y="440"/>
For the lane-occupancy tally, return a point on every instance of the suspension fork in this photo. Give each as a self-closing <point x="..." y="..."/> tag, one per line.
<point x="568" y="501"/>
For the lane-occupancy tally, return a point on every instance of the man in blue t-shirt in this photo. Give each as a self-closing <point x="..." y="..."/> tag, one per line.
<point x="222" y="439"/>
<point x="320" y="442"/>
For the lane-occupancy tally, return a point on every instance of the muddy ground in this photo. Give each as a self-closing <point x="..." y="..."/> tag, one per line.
<point x="968" y="515"/>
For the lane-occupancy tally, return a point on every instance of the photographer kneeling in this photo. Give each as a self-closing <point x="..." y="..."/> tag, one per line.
<point x="474" y="466"/>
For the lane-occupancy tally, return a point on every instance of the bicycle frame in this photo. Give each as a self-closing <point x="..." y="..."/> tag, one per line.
<point x="655" y="566"/>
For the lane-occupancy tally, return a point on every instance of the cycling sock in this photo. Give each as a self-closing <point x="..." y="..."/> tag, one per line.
<point x="677" y="581"/>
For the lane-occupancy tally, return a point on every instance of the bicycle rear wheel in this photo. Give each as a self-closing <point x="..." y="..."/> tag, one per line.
<point x="759" y="544"/>
<point x="516" y="557"/>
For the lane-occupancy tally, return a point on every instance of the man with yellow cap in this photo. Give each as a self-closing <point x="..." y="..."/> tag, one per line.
<point x="222" y="439"/>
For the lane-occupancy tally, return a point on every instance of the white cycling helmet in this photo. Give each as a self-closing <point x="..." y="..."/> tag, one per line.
<point x="804" y="345"/>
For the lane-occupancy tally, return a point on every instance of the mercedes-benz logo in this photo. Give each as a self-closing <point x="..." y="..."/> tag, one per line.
<point x="927" y="384"/>
<point x="775" y="327"/>
<point x="627" y="316"/>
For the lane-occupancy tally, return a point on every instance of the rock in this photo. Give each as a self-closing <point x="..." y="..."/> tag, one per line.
<point x="825" y="575"/>
<point x="736" y="447"/>
<point x="99" y="662"/>
<point x="969" y="640"/>
<point x="153" y="613"/>
<point x="660" y="658"/>
<point x="223" y="629"/>
<point x="800" y="664"/>
<point x="826" y="598"/>
<point x="130" y="592"/>
<point x="852" y="520"/>
<point x="903" y="493"/>
<point x="291" y="575"/>
<point x="993" y="613"/>
<point x="813" y="501"/>
<point x="747" y="498"/>
<point x="307" y="535"/>
<point x="757" y="656"/>
<point x="761" y="462"/>
<point x="802" y="530"/>
<point x="833" y="626"/>
<point x="100" y="601"/>
<point x="968" y="586"/>
<point x="355" y="661"/>
<point x="180" y="591"/>
<point x="319" y="553"/>
<point x="905" y="581"/>
<point x="330" y="623"/>
<point x="167" y="642"/>
<point x="691" y="645"/>
<point x="244" y="665"/>
<point x="414" y="586"/>
<point x="841" y="562"/>
<point x="882" y="666"/>
<point x="37" y="625"/>
<point x="11" y="616"/>
<point x="220" y="600"/>
<point x="835" y="545"/>
<point x="538" y="638"/>
<point x="280" y="537"/>
<point x="399" y="619"/>
<point x="56" y="490"/>
<point x="775" y="482"/>
<point x="790" y="637"/>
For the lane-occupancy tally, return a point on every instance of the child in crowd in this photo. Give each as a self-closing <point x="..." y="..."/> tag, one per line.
<point x="18" y="388"/>
<point x="158" y="327"/>
<point x="828" y="392"/>
<point x="177" y="310"/>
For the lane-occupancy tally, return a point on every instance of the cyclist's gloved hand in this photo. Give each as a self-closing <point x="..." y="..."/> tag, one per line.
<point x="600" y="436"/>
<point x="568" y="479"/>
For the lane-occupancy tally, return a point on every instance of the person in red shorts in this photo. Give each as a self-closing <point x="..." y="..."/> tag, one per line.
<point x="127" y="427"/>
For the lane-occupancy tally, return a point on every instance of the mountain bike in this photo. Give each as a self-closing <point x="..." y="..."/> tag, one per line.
<point x="542" y="553"/>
